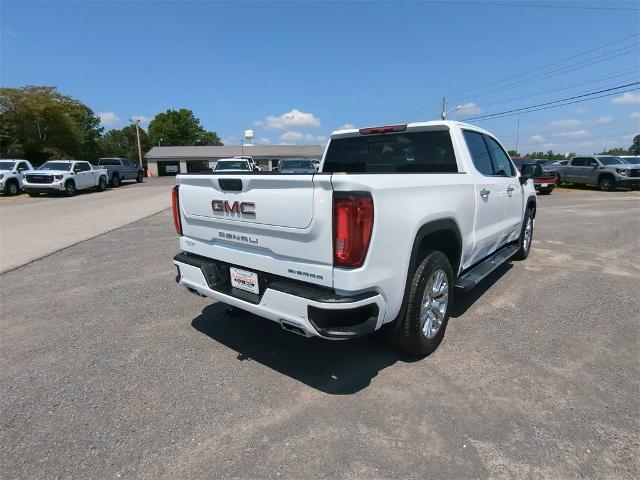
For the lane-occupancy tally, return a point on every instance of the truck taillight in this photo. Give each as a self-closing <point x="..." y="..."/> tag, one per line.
<point x="175" y="204"/>
<point x="352" y="227"/>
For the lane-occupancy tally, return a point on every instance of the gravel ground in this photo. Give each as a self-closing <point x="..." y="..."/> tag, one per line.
<point x="111" y="371"/>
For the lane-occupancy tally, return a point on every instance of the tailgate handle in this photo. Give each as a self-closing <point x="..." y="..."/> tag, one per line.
<point x="230" y="184"/>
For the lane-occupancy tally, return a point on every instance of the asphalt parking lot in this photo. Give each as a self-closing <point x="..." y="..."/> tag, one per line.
<point x="111" y="371"/>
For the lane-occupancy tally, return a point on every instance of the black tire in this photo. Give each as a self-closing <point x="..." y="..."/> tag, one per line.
<point x="525" y="247"/>
<point x="102" y="184"/>
<point x="546" y="191"/>
<point x="33" y="194"/>
<point x="70" y="188"/>
<point x="406" y="333"/>
<point x="140" y="177"/>
<point x="115" y="181"/>
<point x="11" y="188"/>
<point x="606" y="183"/>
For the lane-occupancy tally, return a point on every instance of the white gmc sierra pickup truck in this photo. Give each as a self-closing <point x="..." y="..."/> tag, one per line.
<point x="396" y="219"/>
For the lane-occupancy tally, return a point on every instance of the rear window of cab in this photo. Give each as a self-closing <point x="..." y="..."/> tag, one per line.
<point x="406" y="152"/>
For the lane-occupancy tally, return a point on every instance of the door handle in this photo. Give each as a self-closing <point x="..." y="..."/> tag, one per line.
<point x="510" y="190"/>
<point x="484" y="193"/>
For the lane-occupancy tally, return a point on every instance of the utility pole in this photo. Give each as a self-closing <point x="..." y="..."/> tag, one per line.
<point x="443" y="114"/>
<point x="137" y="122"/>
<point x="517" y="133"/>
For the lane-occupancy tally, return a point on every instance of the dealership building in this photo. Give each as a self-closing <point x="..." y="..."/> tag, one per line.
<point x="163" y="161"/>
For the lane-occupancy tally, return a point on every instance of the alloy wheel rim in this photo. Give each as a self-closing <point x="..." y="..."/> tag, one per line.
<point x="434" y="303"/>
<point x="528" y="231"/>
<point x="13" y="189"/>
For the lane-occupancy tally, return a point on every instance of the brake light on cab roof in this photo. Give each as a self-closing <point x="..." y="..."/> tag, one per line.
<point x="383" y="129"/>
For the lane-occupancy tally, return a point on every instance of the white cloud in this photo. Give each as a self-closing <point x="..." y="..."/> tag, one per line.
<point x="567" y="122"/>
<point x="294" y="118"/>
<point x="580" y="110"/>
<point x="142" y="118"/>
<point x="573" y="134"/>
<point x="346" y="126"/>
<point x="108" y="118"/>
<point x="549" y="145"/>
<point x="537" y="139"/>
<point x="628" y="98"/>
<point x="292" y="136"/>
<point x="265" y="141"/>
<point x="607" y="119"/>
<point x="468" y="109"/>
<point x="634" y="115"/>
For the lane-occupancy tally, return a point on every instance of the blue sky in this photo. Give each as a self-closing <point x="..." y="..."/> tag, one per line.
<point x="295" y="71"/>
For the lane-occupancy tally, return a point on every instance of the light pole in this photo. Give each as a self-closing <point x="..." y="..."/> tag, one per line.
<point x="137" y="124"/>
<point x="444" y="113"/>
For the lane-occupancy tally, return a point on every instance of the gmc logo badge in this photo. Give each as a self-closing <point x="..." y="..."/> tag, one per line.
<point x="235" y="208"/>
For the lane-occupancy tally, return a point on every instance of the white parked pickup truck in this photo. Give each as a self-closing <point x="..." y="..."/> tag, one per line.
<point x="11" y="171"/>
<point x="65" y="176"/>
<point x="397" y="218"/>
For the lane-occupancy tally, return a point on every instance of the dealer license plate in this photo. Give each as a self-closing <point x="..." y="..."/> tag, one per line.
<point x="244" y="280"/>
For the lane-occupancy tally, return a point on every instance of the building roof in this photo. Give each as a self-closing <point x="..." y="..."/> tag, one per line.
<point x="159" y="153"/>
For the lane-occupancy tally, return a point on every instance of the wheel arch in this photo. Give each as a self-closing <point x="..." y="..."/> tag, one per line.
<point x="442" y="235"/>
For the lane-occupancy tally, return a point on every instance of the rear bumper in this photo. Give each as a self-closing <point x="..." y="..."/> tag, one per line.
<point x="316" y="311"/>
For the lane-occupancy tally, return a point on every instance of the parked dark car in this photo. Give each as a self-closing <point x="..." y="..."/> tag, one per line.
<point x="120" y="169"/>
<point x="296" y="166"/>
<point x="544" y="182"/>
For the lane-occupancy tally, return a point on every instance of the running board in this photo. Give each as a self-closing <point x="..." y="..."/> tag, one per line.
<point x="474" y="276"/>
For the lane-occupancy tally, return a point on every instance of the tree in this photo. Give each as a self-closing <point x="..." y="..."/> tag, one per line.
<point x="123" y="143"/>
<point x="614" y="151"/>
<point x="513" y="153"/>
<point x="38" y="123"/>
<point x="634" y="149"/>
<point x="180" y="128"/>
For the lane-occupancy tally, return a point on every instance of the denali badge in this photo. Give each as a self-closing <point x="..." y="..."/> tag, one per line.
<point x="243" y="208"/>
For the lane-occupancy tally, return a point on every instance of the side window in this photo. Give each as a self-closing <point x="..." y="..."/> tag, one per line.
<point x="82" y="167"/>
<point x="479" y="153"/>
<point x="501" y="162"/>
<point x="591" y="162"/>
<point x="22" y="166"/>
<point x="578" y="162"/>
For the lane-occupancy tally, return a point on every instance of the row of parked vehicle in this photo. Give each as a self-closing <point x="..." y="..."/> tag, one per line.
<point x="608" y="172"/>
<point x="248" y="164"/>
<point x="66" y="176"/>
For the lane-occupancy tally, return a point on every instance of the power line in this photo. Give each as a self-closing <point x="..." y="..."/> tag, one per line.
<point x="530" y="5"/>
<point x="557" y="62"/>
<point x="561" y="71"/>
<point x="537" y="69"/>
<point x="620" y="73"/>
<point x="533" y="108"/>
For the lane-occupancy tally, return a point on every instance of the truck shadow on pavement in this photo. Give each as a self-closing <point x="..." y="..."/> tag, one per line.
<point x="333" y="367"/>
<point x="462" y="301"/>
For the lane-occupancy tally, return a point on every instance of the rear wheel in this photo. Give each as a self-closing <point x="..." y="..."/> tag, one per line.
<point x="422" y="328"/>
<point x="70" y="189"/>
<point x="140" y="177"/>
<point x="606" y="183"/>
<point x="11" y="188"/>
<point x="526" y="236"/>
<point x="102" y="184"/>
<point x="115" y="181"/>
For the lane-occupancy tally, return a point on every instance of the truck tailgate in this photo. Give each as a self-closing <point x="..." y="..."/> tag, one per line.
<point x="280" y="224"/>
